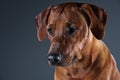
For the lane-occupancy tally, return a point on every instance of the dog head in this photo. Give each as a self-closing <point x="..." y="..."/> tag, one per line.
<point x="68" y="28"/>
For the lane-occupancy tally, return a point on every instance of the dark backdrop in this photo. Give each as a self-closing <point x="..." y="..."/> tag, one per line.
<point x="22" y="57"/>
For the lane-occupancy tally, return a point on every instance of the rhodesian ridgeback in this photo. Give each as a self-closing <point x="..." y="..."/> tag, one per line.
<point x="75" y="31"/>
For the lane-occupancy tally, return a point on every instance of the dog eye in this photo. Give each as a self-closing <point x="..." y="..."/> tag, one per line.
<point x="70" y="29"/>
<point x="50" y="31"/>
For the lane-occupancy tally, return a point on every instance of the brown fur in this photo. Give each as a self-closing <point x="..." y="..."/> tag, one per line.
<point x="93" y="59"/>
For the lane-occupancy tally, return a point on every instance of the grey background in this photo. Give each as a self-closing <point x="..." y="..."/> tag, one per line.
<point x="22" y="57"/>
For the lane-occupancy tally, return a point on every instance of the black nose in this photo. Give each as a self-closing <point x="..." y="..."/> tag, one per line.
<point x="54" y="58"/>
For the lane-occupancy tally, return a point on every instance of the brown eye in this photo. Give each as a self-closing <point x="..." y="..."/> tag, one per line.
<point x="50" y="31"/>
<point x="70" y="29"/>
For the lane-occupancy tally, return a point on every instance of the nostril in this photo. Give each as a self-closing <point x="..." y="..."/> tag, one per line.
<point x="58" y="58"/>
<point x="54" y="58"/>
<point x="50" y="58"/>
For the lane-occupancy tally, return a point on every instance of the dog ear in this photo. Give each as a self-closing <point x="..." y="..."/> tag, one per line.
<point x="98" y="18"/>
<point x="41" y="22"/>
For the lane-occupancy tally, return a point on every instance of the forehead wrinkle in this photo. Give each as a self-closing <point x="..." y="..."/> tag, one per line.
<point x="60" y="26"/>
<point x="72" y="14"/>
<point x="56" y="11"/>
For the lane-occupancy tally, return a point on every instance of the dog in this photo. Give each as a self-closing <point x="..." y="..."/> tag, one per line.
<point x="75" y="31"/>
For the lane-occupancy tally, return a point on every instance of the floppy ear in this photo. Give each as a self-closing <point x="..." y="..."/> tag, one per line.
<point x="41" y="23"/>
<point x="97" y="17"/>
